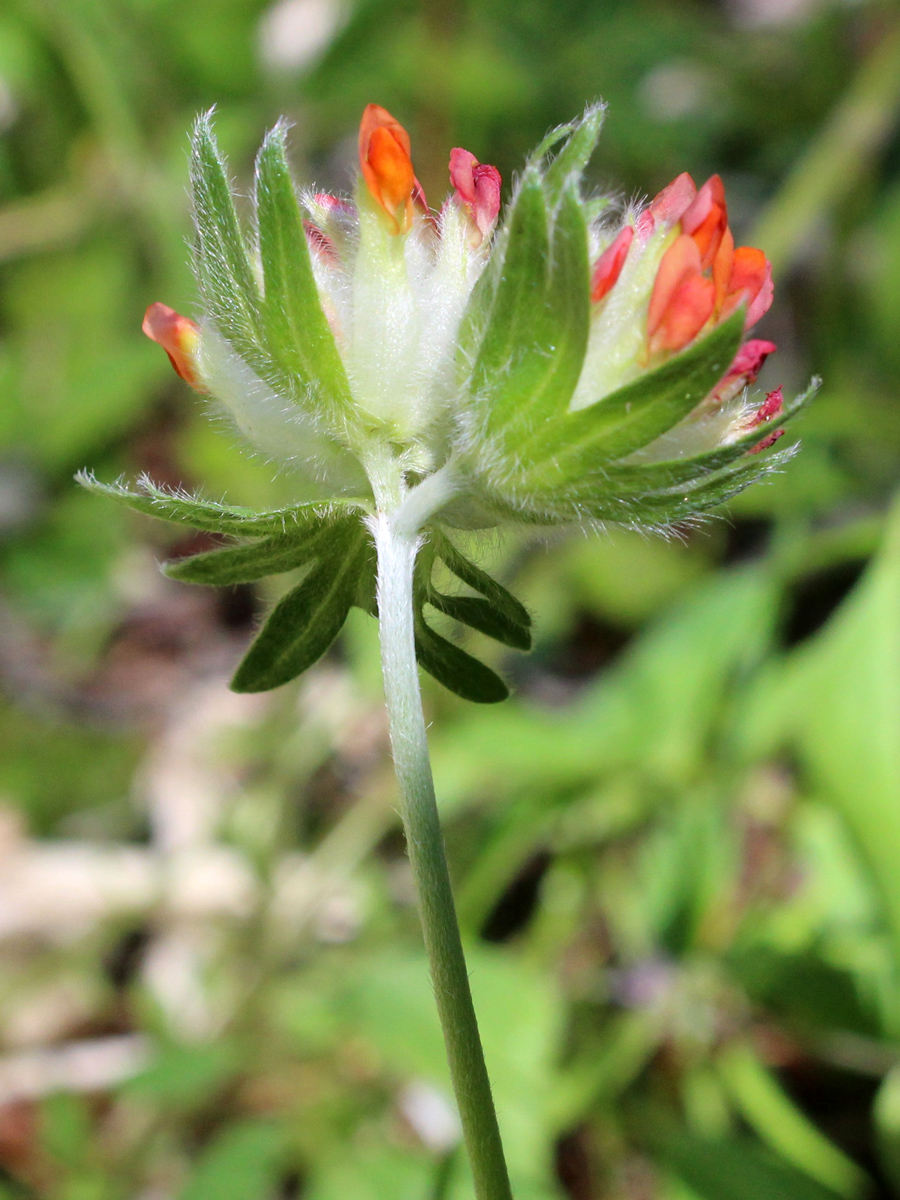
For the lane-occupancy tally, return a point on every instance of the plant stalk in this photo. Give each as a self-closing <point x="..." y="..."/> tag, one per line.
<point x="396" y="559"/>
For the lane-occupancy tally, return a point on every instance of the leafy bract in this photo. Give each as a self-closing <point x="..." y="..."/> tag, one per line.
<point x="230" y="293"/>
<point x="220" y="518"/>
<point x="331" y="544"/>
<point x="297" y="333"/>
<point x="531" y="334"/>
<point x="306" y="621"/>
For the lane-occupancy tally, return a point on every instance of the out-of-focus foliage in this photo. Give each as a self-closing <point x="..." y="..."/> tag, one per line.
<point x="675" y="849"/>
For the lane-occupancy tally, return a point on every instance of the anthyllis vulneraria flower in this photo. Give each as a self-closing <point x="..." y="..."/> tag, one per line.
<point x="441" y="371"/>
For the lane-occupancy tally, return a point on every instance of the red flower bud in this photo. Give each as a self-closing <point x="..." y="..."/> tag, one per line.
<point x="384" y="157"/>
<point x="609" y="265"/>
<point x="179" y="337"/>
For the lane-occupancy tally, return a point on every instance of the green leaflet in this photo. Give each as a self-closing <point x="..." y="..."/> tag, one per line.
<point x="480" y="581"/>
<point x="229" y="289"/>
<point x="480" y="614"/>
<point x="534" y="333"/>
<point x="458" y="671"/>
<point x="630" y="418"/>
<point x="574" y="157"/>
<point x="495" y="613"/>
<point x="298" y="336"/>
<point x="221" y="518"/>
<point x="247" y="563"/>
<point x="306" y="621"/>
<point x="670" y="473"/>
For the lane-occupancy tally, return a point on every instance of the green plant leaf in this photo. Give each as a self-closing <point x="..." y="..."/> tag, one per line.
<point x="737" y="1169"/>
<point x="465" y="570"/>
<point x="531" y="353"/>
<point x="455" y="669"/>
<point x="245" y="563"/>
<point x="220" y="518"/>
<point x="570" y="163"/>
<point x="226" y="280"/>
<point x="626" y="478"/>
<point x="306" y="621"/>
<point x="480" y="614"/>
<point x="580" y="445"/>
<point x="298" y="336"/>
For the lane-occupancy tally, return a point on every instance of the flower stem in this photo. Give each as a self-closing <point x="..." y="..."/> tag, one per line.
<point x="425" y="843"/>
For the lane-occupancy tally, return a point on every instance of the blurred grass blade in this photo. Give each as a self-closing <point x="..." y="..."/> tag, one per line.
<point x="776" y="1119"/>
<point x="737" y="1169"/>
<point x="839" y="157"/>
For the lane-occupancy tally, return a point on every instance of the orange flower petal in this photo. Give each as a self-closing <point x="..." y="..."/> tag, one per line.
<point x="179" y="336"/>
<point x="609" y="264"/>
<point x="706" y="219"/>
<point x="384" y="157"/>
<point x="688" y="310"/>
<point x="680" y="261"/>
<point x="722" y="266"/>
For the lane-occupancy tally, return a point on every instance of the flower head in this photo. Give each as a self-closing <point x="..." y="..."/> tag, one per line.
<point x="459" y="370"/>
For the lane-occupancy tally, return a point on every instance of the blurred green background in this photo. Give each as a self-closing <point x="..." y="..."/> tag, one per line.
<point x="676" y="849"/>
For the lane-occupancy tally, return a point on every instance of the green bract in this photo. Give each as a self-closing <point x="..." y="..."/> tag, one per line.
<point x="430" y="376"/>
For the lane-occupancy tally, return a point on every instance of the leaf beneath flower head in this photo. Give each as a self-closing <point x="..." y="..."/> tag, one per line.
<point x="248" y="562"/>
<point x="221" y="518"/>
<point x="306" y="621"/>
<point x="479" y="580"/>
<point x="458" y="671"/>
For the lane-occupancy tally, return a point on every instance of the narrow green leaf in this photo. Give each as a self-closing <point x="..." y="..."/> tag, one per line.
<point x="306" y="621"/>
<point x="480" y="614"/>
<point x="671" y="473"/>
<point x="738" y="1169"/>
<point x="298" y="336"/>
<point x="457" y="671"/>
<point x="223" y="268"/>
<point x="593" y="502"/>
<point x="246" y="563"/>
<point x="220" y="518"/>
<point x="532" y="349"/>
<point x="584" y="442"/>
<point x="559" y="334"/>
<point x="480" y="581"/>
<point x="769" y="1110"/>
<point x="520" y="293"/>
<point x="574" y="157"/>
